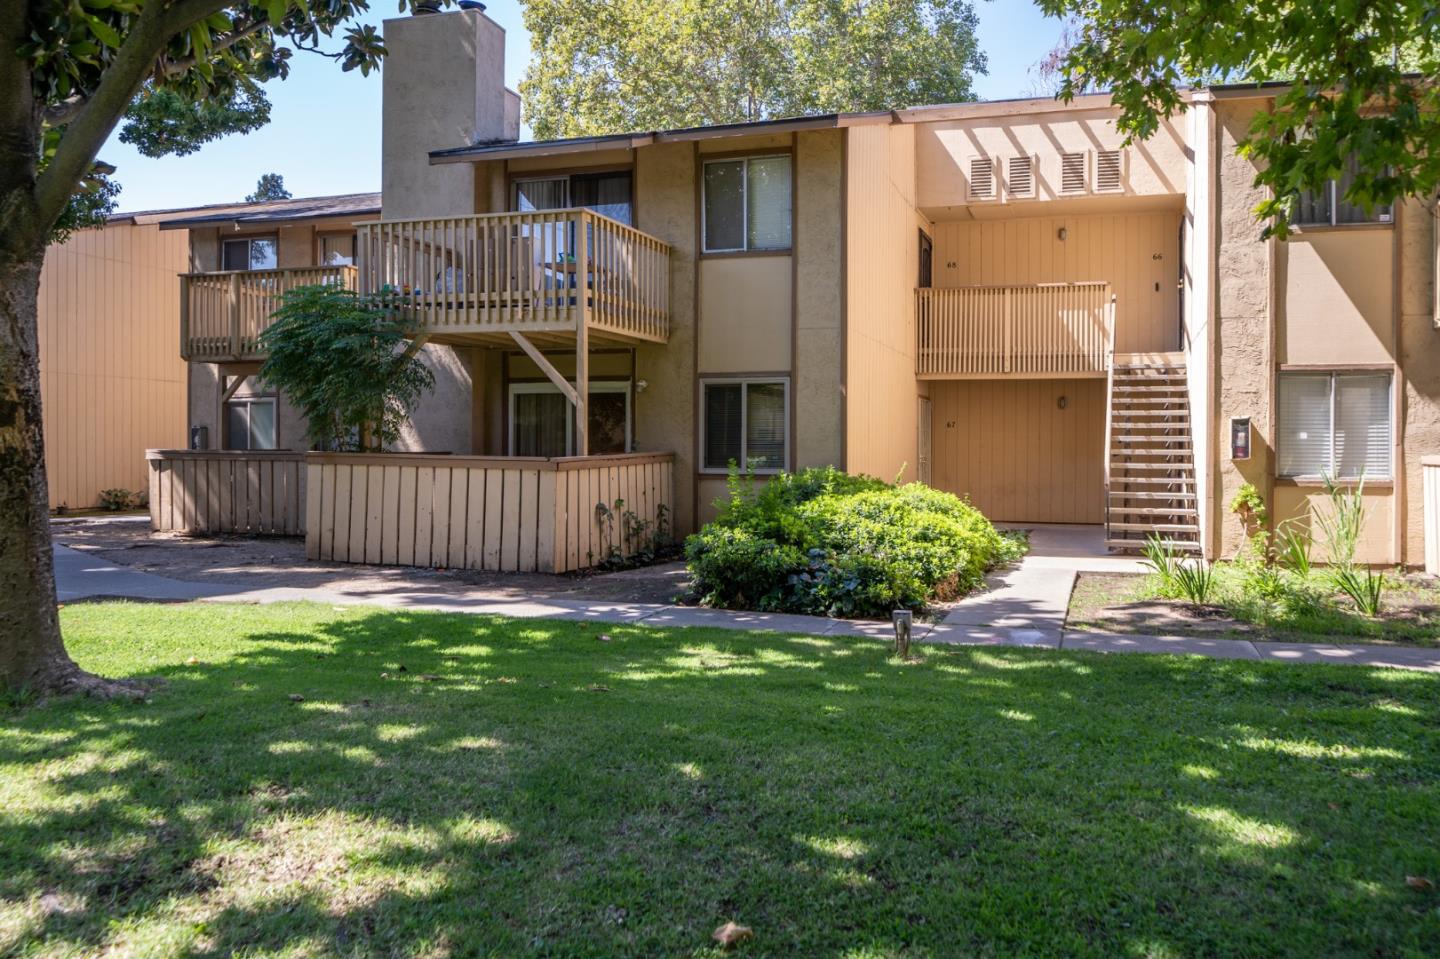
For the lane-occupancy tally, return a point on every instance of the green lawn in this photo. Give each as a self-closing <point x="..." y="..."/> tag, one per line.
<point x="454" y="785"/>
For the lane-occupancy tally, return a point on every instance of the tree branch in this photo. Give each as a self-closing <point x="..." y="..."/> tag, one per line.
<point x="171" y="68"/>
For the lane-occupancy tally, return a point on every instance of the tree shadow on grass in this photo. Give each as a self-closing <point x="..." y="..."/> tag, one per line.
<point x="366" y="783"/>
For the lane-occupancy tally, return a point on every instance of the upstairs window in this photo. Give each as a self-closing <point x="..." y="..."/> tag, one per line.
<point x="1335" y="425"/>
<point x="609" y="194"/>
<point x="337" y="249"/>
<point x="747" y="204"/>
<point x="1328" y="206"/>
<point x="250" y="253"/>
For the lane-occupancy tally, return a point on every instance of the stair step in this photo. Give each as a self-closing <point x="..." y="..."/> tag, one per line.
<point x="1176" y="390"/>
<point x="1123" y="414"/>
<point x="1132" y="494"/>
<point x="1163" y="370"/>
<point x="1153" y="438"/>
<point x="1168" y="467"/>
<point x="1157" y="527"/>
<point x="1154" y="510"/>
<point x="1185" y="545"/>
<point x="1149" y="481"/>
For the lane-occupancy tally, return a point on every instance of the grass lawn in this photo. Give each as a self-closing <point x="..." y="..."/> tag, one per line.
<point x="453" y="785"/>
<point x="1129" y="602"/>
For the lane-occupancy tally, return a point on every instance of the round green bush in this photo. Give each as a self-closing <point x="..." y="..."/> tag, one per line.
<point x="823" y="542"/>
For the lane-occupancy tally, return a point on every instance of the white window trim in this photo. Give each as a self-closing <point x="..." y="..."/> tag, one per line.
<point x="596" y="386"/>
<point x="745" y="205"/>
<point x="743" y="462"/>
<point x="1334" y="375"/>
<point x="247" y="402"/>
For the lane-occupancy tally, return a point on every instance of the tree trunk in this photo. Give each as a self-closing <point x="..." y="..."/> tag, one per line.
<point x="32" y="655"/>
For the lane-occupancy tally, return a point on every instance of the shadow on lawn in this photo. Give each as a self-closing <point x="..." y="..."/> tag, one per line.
<point x="456" y="785"/>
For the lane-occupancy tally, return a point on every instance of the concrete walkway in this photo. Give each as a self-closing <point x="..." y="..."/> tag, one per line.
<point x="1022" y="621"/>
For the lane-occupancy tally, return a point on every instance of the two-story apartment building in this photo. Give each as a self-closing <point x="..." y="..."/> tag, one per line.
<point x="1001" y="299"/>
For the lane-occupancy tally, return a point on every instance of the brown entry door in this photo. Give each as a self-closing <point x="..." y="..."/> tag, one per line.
<point x="1023" y="451"/>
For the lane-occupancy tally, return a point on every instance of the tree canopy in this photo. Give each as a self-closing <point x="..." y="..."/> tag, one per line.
<point x="606" y="66"/>
<point x="1355" y="80"/>
<point x="270" y="186"/>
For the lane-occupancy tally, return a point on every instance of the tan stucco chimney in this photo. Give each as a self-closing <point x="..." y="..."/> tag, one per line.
<point x="444" y="86"/>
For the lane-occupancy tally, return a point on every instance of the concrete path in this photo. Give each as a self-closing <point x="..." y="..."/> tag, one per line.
<point x="80" y="576"/>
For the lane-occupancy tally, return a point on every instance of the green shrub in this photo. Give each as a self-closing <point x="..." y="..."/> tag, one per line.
<point x="118" y="499"/>
<point x="827" y="543"/>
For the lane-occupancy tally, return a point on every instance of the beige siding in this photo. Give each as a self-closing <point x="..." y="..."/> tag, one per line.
<point x="1138" y="254"/>
<point x="882" y="256"/>
<point x="1019" y="457"/>
<point x="111" y="377"/>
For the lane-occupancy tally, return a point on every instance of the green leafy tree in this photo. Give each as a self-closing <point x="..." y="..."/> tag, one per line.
<point x="270" y="186"/>
<point x="165" y="122"/>
<point x="1356" y="80"/>
<point x="606" y="66"/>
<point x="70" y="72"/>
<point x="347" y="363"/>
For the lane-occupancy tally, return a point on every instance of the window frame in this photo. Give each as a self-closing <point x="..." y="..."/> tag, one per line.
<point x="247" y="239"/>
<point x="322" y="235"/>
<point x="1332" y="374"/>
<point x="596" y="386"/>
<point x="1332" y="187"/>
<point x="247" y="402"/>
<point x="744" y="160"/>
<point x="744" y="381"/>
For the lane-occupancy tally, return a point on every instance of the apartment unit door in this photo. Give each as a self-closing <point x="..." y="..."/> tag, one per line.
<point x="1023" y="451"/>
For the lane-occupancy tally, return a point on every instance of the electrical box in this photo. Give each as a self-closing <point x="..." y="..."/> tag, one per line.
<point x="1240" y="437"/>
<point x="199" y="437"/>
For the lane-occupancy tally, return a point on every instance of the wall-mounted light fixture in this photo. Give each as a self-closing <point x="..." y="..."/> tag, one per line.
<point x="640" y="386"/>
<point x="1063" y="402"/>
<point x="1061" y="234"/>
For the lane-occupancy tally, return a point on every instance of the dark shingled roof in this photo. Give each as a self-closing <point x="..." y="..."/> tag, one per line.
<point x="267" y="211"/>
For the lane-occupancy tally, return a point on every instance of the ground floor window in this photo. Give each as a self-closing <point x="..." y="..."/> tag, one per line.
<point x="745" y="421"/>
<point x="1335" y="424"/>
<point x="541" y="423"/>
<point x="250" y="424"/>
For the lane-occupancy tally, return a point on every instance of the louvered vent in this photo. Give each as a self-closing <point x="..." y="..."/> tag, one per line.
<point x="1020" y="177"/>
<point x="982" y="178"/>
<point x="1107" y="171"/>
<point x="1072" y="173"/>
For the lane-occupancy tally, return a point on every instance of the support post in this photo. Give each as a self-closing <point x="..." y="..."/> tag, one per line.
<point x="903" y="620"/>
<point x="235" y="316"/>
<point x="582" y="336"/>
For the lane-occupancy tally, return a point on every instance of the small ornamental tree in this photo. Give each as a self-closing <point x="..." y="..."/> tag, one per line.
<point x="347" y="363"/>
<point x="270" y="186"/>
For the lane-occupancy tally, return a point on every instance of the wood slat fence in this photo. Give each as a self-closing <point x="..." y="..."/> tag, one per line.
<point x="1054" y="329"/>
<point x="221" y="491"/>
<point x="492" y="513"/>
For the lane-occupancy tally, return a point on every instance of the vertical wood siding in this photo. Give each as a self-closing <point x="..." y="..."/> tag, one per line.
<point x="111" y="378"/>
<point x="216" y="491"/>
<point x="512" y="514"/>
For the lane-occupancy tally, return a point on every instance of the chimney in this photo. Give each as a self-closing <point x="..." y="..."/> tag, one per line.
<point x="444" y="86"/>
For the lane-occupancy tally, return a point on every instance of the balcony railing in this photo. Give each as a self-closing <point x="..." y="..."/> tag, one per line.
<point x="223" y="314"/>
<point x="1047" y="329"/>
<point x="473" y="278"/>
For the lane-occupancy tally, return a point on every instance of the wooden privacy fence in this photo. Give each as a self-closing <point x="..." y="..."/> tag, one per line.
<point x="223" y="314"/>
<point x="494" y="513"/>
<point x="1042" y="329"/>
<point x="220" y="491"/>
<point x="527" y="272"/>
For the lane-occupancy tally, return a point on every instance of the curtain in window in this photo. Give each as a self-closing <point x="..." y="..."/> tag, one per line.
<point x="1304" y="433"/>
<point x="722" y="425"/>
<point x="550" y="194"/>
<point x="724" y="206"/>
<point x="765" y="426"/>
<point x="768" y="204"/>
<point x="1362" y="426"/>
<point x="540" y="420"/>
<point x="607" y="194"/>
<point x="337" y="250"/>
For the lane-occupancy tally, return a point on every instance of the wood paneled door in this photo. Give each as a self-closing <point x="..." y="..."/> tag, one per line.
<point x="1023" y="451"/>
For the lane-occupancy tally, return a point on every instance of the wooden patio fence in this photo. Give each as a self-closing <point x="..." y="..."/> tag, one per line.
<point x="223" y="491"/>
<point x="493" y="513"/>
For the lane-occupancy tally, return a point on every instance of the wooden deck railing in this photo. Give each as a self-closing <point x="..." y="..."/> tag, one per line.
<point x="1047" y="329"/>
<point x="222" y="491"/>
<point x="535" y="272"/>
<point x="524" y="514"/>
<point x="223" y="314"/>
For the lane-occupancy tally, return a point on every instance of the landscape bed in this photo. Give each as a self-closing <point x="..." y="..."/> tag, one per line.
<point x="322" y="781"/>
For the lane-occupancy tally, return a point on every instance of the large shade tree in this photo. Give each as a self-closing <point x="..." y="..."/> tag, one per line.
<point x="70" y="72"/>
<point x="1355" y="81"/>
<point x="607" y="66"/>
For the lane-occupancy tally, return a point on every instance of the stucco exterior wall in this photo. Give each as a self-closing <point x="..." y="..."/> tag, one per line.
<point x="1337" y="296"/>
<point x="818" y="391"/>
<point x="1244" y="360"/>
<point x="1419" y="350"/>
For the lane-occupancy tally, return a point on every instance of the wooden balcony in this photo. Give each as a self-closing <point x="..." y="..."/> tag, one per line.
<point x="557" y="277"/>
<point x="222" y="314"/>
<point x="1034" y="331"/>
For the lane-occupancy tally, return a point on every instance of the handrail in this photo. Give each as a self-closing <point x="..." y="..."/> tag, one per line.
<point x="1034" y="329"/>
<point x="1109" y="412"/>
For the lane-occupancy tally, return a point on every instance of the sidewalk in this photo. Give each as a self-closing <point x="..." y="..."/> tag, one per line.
<point x="1023" y="623"/>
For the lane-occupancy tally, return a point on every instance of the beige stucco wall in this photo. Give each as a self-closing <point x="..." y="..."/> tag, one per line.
<point x="817" y="392"/>
<point x="1419" y="349"/>
<point x="882" y="264"/>
<point x="665" y="411"/>
<point x="1301" y="504"/>
<point x="943" y="150"/>
<point x="745" y="314"/>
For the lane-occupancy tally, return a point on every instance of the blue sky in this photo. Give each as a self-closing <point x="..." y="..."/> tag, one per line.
<point x="324" y="134"/>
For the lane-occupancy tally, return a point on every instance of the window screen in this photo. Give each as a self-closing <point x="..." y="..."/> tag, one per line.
<point x="251" y="253"/>
<point x="725" y="206"/>
<point x="1335" y="425"/>
<point x="747" y="423"/>
<point x="250" y="424"/>
<point x="747" y="204"/>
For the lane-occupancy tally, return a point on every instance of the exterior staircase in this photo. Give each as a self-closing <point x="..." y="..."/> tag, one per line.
<point x="1150" y="474"/>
